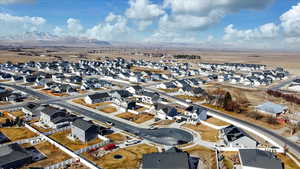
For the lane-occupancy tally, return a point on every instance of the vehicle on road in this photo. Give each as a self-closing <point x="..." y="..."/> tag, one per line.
<point x="109" y="123"/>
<point x="153" y="128"/>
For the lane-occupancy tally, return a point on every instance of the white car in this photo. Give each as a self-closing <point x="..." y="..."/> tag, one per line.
<point x="132" y="142"/>
<point x="153" y="128"/>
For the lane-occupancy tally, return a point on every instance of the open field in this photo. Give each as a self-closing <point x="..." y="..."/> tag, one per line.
<point x="206" y="155"/>
<point x="93" y="106"/>
<point x="136" y="118"/>
<point x="192" y="98"/>
<point x="141" y="69"/>
<point x="217" y="122"/>
<point x="17" y="133"/>
<point x="54" y="155"/>
<point x="131" y="157"/>
<point x="108" y="109"/>
<point x="207" y="133"/>
<point x="245" y="118"/>
<point x="164" y="122"/>
<point x="61" y="137"/>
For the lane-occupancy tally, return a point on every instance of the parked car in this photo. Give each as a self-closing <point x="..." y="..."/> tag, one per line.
<point x="153" y="128"/>
<point x="132" y="142"/>
<point x="109" y="123"/>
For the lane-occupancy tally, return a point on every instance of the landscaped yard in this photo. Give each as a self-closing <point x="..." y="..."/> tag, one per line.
<point x="61" y="137"/>
<point x="17" y="133"/>
<point x="54" y="155"/>
<point x="131" y="157"/>
<point x="116" y="137"/>
<point x="136" y="118"/>
<point x="207" y="156"/>
<point x="217" y="122"/>
<point x="108" y="109"/>
<point x="93" y="106"/>
<point x="207" y="133"/>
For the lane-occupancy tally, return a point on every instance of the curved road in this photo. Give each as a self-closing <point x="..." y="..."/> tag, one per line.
<point x="165" y="136"/>
<point x="292" y="147"/>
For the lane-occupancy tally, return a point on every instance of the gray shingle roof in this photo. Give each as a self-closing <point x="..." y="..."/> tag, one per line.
<point x="11" y="153"/>
<point x="166" y="160"/>
<point x="259" y="159"/>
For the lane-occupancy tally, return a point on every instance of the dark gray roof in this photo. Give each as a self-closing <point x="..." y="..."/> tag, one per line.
<point x="259" y="159"/>
<point x="11" y="153"/>
<point x="83" y="124"/>
<point x="99" y="96"/>
<point x="166" y="160"/>
<point x="51" y="110"/>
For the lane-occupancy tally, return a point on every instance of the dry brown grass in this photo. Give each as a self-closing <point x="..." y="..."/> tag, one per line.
<point x="207" y="156"/>
<point x="108" y="109"/>
<point x="49" y="92"/>
<point x="136" y="118"/>
<point x="40" y="129"/>
<point x="93" y="106"/>
<point x="131" y="157"/>
<point x="19" y="113"/>
<point x="164" y="122"/>
<point x="207" y="133"/>
<point x="192" y="98"/>
<point x="169" y="90"/>
<point x="287" y="162"/>
<point x="17" y="133"/>
<point x="54" y="155"/>
<point x="117" y="137"/>
<point x="245" y="118"/>
<point x="141" y="69"/>
<point x="217" y="122"/>
<point x="61" y="137"/>
<point x="2" y="103"/>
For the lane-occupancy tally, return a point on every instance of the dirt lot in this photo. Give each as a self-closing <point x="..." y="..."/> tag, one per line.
<point x="49" y="92"/>
<point x="108" y="109"/>
<point x="136" y="118"/>
<point x="54" y="155"/>
<point x="93" y="106"/>
<point x="164" y="122"/>
<point x="17" y="133"/>
<point x="170" y="90"/>
<point x="40" y="129"/>
<point x="206" y="155"/>
<point x="17" y="113"/>
<point x="131" y="157"/>
<point x="117" y="137"/>
<point x="141" y="69"/>
<point x="61" y="137"/>
<point x="207" y="133"/>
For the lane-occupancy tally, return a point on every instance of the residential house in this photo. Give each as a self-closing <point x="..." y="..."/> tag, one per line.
<point x="136" y="90"/>
<point x="164" y="112"/>
<point x="258" y="159"/>
<point x="55" y="117"/>
<point x="196" y="114"/>
<point x="97" y="98"/>
<point x="173" y="158"/>
<point x="14" y="156"/>
<point x="235" y="137"/>
<point x="149" y="97"/>
<point x="272" y="109"/>
<point x="84" y="130"/>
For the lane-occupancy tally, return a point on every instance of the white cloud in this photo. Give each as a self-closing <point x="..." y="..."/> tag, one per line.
<point x="142" y="25"/>
<point x="11" y="24"/>
<point x="74" y="26"/>
<point x="15" y="1"/>
<point x="143" y="10"/>
<point x="266" y="31"/>
<point x="113" y="28"/>
<point x="290" y="21"/>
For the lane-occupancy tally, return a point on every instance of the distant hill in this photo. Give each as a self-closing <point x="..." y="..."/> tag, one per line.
<point x="45" y="38"/>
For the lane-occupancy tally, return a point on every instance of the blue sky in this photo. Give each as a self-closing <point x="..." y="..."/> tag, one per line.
<point x="237" y="23"/>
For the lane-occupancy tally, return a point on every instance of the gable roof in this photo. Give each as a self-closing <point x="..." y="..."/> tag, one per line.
<point x="271" y="108"/>
<point x="99" y="96"/>
<point x="11" y="153"/>
<point x="83" y="124"/>
<point x="259" y="159"/>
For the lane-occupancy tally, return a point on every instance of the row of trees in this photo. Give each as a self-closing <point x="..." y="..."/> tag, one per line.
<point x="287" y="97"/>
<point x="240" y="105"/>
